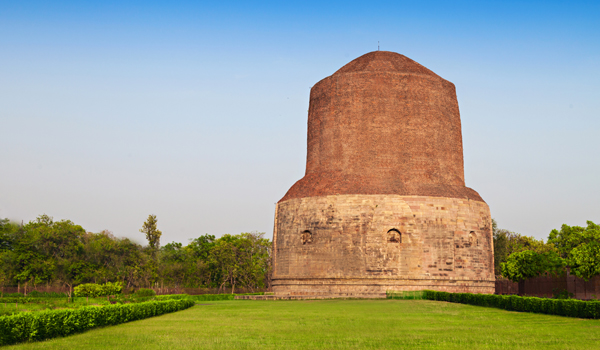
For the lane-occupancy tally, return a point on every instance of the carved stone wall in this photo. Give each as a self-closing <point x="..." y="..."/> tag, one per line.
<point x="383" y="203"/>
<point x="360" y="245"/>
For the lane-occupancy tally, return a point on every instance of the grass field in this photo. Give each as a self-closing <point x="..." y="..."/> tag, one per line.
<point x="339" y="324"/>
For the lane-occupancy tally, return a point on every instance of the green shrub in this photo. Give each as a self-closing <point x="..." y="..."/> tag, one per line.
<point x="564" y="294"/>
<point x="406" y="295"/>
<point x="36" y="294"/>
<point x="13" y="295"/>
<point x="560" y="307"/>
<point x="88" y="290"/>
<point x="202" y="297"/>
<point x="144" y="292"/>
<point x="111" y="288"/>
<point x="59" y="323"/>
<point x="20" y="300"/>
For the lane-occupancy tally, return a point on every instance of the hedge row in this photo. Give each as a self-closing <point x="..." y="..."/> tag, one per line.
<point x="35" y="294"/>
<point x="22" y="300"/>
<point x="42" y="325"/>
<point x="405" y="295"/>
<point x="561" y="307"/>
<point x="202" y="297"/>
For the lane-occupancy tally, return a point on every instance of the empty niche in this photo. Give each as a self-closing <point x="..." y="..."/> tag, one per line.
<point x="306" y="237"/>
<point x="473" y="242"/>
<point x="394" y="236"/>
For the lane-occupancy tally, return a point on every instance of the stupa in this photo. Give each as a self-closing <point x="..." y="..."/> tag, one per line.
<point x="383" y="204"/>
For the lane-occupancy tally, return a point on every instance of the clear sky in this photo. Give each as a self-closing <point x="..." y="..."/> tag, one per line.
<point x="196" y="112"/>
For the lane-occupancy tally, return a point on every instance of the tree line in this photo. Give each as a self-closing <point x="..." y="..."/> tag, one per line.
<point x="45" y="251"/>
<point x="518" y="257"/>
<point x="51" y="252"/>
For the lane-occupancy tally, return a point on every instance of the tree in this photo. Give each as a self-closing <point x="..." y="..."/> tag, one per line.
<point x="88" y="290"/>
<point x="48" y="251"/>
<point x="254" y="259"/>
<point x="527" y="264"/>
<point x="152" y="233"/>
<point x="7" y="232"/>
<point x="44" y="249"/>
<point x="111" y="288"/>
<point x="507" y="242"/>
<point x="585" y="260"/>
<point x="173" y="264"/>
<point x="580" y="246"/>
<point x="224" y="261"/>
<point x="200" y="247"/>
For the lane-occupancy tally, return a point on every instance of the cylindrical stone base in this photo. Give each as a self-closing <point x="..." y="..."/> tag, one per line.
<point x="363" y="245"/>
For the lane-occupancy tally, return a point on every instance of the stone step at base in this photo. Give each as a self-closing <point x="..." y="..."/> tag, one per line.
<point x="305" y="297"/>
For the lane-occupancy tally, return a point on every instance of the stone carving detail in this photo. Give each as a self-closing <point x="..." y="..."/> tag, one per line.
<point x="389" y="215"/>
<point x="307" y="237"/>
<point x="394" y="236"/>
<point x="472" y="239"/>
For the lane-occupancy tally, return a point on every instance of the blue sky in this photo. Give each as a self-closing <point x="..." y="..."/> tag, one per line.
<point x="196" y="112"/>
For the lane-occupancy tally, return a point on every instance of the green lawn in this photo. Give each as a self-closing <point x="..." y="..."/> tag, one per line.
<point x="339" y="324"/>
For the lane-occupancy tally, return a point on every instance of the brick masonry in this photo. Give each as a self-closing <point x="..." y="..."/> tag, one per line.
<point x="383" y="124"/>
<point x="383" y="204"/>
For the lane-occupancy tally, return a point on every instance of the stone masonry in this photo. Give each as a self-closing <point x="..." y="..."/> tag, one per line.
<point x="383" y="204"/>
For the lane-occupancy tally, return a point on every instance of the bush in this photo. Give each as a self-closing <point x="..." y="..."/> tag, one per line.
<point x="564" y="294"/>
<point x="59" y="323"/>
<point x="111" y="288"/>
<point x="36" y="294"/>
<point x="203" y="297"/>
<point x="560" y="307"/>
<point x="406" y="295"/>
<point x="88" y="290"/>
<point x="144" y="293"/>
<point x="21" y="300"/>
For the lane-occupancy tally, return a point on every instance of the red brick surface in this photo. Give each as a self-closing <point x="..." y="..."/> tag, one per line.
<point x="383" y="124"/>
<point x="383" y="204"/>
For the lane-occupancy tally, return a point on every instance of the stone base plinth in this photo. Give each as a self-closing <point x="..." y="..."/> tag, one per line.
<point x="364" y="245"/>
<point x="376" y="288"/>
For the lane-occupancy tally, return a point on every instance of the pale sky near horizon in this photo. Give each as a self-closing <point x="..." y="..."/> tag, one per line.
<point x="195" y="112"/>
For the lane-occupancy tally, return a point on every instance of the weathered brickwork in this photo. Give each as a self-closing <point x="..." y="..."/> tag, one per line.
<point x="383" y="204"/>
<point x="383" y="124"/>
<point x="366" y="244"/>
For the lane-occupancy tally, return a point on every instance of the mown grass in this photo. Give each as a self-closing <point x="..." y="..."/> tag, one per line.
<point x="339" y="324"/>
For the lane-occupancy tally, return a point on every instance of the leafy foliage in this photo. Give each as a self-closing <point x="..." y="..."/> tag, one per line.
<point x="88" y="290"/>
<point x="144" y="292"/>
<point x="528" y="264"/>
<point x="93" y="290"/>
<point x="561" y="307"/>
<point x="45" y="251"/>
<point x="507" y="242"/>
<point x="203" y="297"/>
<point x="59" y="323"/>
<point x="519" y="257"/>
<point x="112" y="288"/>
<point x="580" y="246"/>
<point x="152" y="232"/>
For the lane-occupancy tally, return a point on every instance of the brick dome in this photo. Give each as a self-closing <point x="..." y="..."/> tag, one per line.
<point x="383" y="124"/>
<point x="383" y="204"/>
<point x="385" y="61"/>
